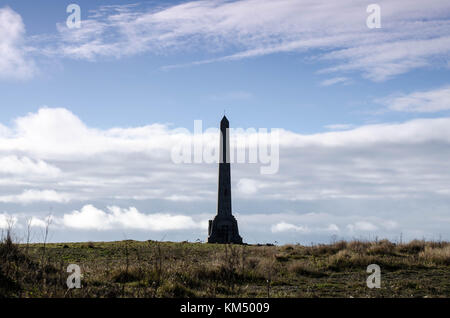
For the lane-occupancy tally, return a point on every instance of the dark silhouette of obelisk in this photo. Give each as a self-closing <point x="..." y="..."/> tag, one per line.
<point x="224" y="229"/>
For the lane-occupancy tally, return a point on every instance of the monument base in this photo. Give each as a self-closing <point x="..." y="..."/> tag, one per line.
<point x="224" y="230"/>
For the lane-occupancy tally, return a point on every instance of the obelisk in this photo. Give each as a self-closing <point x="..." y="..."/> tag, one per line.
<point x="224" y="229"/>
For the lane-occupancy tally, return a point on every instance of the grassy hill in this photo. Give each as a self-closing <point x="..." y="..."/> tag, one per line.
<point x="165" y="269"/>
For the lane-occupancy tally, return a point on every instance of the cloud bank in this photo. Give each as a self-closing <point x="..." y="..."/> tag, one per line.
<point x="367" y="179"/>
<point x="14" y="61"/>
<point x="429" y="101"/>
<point x="332" y="33"/>
<point x="91" y="218"/>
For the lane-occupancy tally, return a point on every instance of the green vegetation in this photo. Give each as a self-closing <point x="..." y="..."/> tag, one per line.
<point x="165" y="269"/>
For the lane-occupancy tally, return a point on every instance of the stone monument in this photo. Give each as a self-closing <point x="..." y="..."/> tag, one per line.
<point x="224" y="228"/>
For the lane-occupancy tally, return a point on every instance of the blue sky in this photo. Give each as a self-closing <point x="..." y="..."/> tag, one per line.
<point x="138" y="88"/>
<point x="363" y="111"/>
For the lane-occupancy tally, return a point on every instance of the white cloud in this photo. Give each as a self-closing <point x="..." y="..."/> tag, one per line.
<point x="91" y="218"/>
<point x="339" y="126"/>
<point x="335" y="80"/>
<point x="31" y="196"/>
<point x="412" y="35"/>
<point x="359" y="173"/>
<point x="7" y="221"/>
<point x="429" y="101"/>
<point x="4" y="131"/>
<point x="185" y="198"/>
<point x="393" y="56"/>
<point x="284" y="227"/>
<point x="37" y="222"/>
<point x="411" y="132"/>
<point x="248" y="186"/>
<point x="333" y="228"/>
<point x="389" y="225"/>
<point x="58" y="132"/>
<point x="362" y="226"/>
<point x="14" y="62"/>
<point x="82" y="163"/>
<point x="26" y="166"/>
<point x="304" y="229"/>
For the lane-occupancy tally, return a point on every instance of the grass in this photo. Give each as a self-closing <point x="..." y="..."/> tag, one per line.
<point x="166" y="269"/>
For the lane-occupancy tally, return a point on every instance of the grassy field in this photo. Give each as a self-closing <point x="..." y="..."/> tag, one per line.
<point x="165" y="269"/>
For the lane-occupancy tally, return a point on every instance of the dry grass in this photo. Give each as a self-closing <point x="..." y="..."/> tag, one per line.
<point x="436" y="255"/>
<point x="305" y="268"/>
<point x="165" y="269"/>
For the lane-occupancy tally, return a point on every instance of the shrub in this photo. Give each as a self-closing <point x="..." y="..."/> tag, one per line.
<point x="305" y="269"/>
<point x="413" y="247"/>
<point x="126" y="276"/>
<point x="358" y="246"/>
<point x="383" y="247"/>
<point x="439" y="256"/>
<point x="281" y="258"/>
<point x="252" y="263"/>
<point x="176" y="290"/>
<point x="346" y="259"/>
